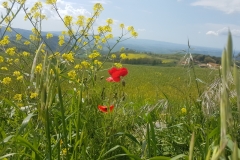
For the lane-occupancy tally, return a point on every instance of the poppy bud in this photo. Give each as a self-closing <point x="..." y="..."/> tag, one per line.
<point x="101" y="77"/>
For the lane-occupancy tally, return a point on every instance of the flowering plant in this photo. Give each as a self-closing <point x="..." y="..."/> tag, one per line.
<point x="105" y="109"/>
<point x="116" y="74"/>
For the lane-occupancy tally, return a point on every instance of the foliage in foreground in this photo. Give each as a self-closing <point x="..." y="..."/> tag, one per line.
<point x="56" y="107"/>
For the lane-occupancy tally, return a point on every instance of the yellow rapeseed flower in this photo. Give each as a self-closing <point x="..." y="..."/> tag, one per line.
<point x="97" y="7"/>
<point x="122" y="25"/>
<point x="1" y="59"/>
<point x="11" y="51"/>
<point x="109" y="36"/>
<point x="49" y="35"/>
<point x="4" y="68"/>
<point x="80" y="20"/>
<point x="16" y="60"/>
<point x="5" y="40"/>
<point x="68" y="20"/>
<point x="25" y="54"/>
<point x="26" y="43"/>
<point x="85" y="64"/>
<point x="72" y="74"/>
<point x="78" y="66"/>
<point x="16" y="73"/>
<point x="130" y="28"/>
<point x="68" y="56"/>
<point x="184" y="110"/>
<point x="9" y="29"/>
<point x="94" y="55"/>
<point x="18" y="97"/>
<point x="51" y="1"/>
<point x="33" y="95"/>
<point x="113" y="56"/>
<point x="38" y="68"/>
<point x="97" y="62"/>
<point x="134" y="34"/>
<point x="19" y="78"/>
<point x="5" y="4"/>
<point x="6" y="80"/>
<point x="123" y="56"/>
<point x="18" y="37"/>
<point x="109" y="21"/>
<point x="118" y="65"/>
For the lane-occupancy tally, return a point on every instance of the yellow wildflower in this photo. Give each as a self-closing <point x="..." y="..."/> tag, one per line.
<point x="6" y="80"/>
<point x="18" y="37"/>
<point x="85" y="64"/>
<point x="184" y="110"/>
<point x="9" y="29"/>
<point x="98" y="7"/>
<point x="68" y="20"/>
<point x="123" y="56"/>
<point x="118" y="65"/>
<point x="19" y="78"/>
<point x="11" y="51"/>
<point x="130" y="28"/>
<point x="51" y="1"/>
<point x="5" y="4"/>
<point x="109" y="36"/>
<point x="26" y="43"/>
<point x="113" y="56"/>
<point x="25" y="54"/>
<point x="109" y="21"/>
<point x="68" y="56"/>
<point x="1" y="59"/>
<point x="94" y="55"/>
<point x="78" y="66"/>
<point x="38" y="68"/>
<point x="17" y="97"/>
<point x="16" y="73"/>
<point x="72" y="74"/>
<point x="80" y="20"/>
<point x="4" y="68"/>
<point x="33" y="95"/>
<point x="16" y="60"/>
<point x="49" y="35"/>
<point x="134" y="34"/>
<point x="121" y="25"/>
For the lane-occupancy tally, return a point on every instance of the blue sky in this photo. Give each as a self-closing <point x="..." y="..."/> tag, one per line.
<point x="203" y="22"/>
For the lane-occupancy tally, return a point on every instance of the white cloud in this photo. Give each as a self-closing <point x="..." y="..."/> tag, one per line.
<point x="227" y="6"/>
<point x="212" y="33"/>
<point x="224" y="31"/>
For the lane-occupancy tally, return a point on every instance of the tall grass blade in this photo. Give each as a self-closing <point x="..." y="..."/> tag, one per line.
<point x="191" y="148"/>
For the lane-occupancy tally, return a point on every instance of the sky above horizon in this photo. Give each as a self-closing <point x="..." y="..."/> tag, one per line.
<point x="203" y="22"/>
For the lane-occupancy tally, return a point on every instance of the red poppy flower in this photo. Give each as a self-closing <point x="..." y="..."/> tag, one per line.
<point x="105" y="109"/>
<point x="116" y="74"/>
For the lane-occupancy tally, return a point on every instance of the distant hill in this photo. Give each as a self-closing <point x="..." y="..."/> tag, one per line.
<point x="139" y="45"/>
<point x="160" y="47"/>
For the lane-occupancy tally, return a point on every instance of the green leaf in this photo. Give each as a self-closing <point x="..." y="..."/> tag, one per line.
<point x="25" y="123"/>
<point x="7" y="155"/>
<point x="131" y="137"/>
<point x="28" y="144"/>
<point x="179" y="156"/>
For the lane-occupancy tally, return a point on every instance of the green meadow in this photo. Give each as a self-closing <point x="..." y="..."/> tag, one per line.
<point x="80" y="102"/>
